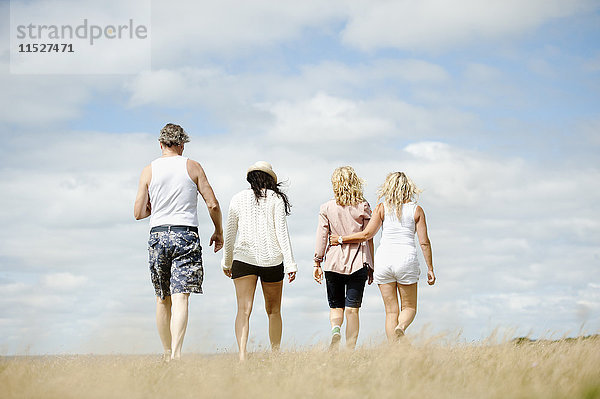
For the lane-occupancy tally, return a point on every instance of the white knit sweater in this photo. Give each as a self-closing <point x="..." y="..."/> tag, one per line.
<point x="262" y="232"/>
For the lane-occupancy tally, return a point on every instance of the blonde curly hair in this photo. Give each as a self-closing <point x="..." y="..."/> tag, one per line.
<point x="398" y="189"/>
<point x="347" y="186"/>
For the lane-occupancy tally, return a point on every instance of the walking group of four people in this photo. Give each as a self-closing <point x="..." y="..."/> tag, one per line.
<point x="257" y="245"/>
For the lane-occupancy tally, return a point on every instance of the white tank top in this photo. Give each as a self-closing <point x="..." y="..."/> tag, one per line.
<point x="399" y="232"/>
<point x="173" y="194"/>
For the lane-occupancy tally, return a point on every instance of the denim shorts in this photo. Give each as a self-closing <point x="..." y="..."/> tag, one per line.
<point x="175" y="262"/>
<point x="346" y="290"/>
<point x="269" y="274"/>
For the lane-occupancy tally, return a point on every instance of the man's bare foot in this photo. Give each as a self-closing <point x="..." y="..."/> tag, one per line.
<point x="399" y="331"/>
<point x="166" y="357"/>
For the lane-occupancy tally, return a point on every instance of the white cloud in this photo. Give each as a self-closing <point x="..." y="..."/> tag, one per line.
<point x="337" y="121"/>
<point x="124" y="53"/>
<point x="292" y="109"/>
<point x="238" y="95"/>
<point x="429" y="150"/>
<point x="64" y="281"/>
<point x="34" y="101"/>
<point x="231" y="27"/>
<point x="440" y="25"/>
<point x="14" y="288"/>
<point x="482" y="73"/>
<point x="171" y="87"/>
<point x="325" y="119"/>
<point x="330" y="74"/>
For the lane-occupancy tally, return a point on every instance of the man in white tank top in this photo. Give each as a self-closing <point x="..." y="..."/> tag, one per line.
<point x="168" y="193"/>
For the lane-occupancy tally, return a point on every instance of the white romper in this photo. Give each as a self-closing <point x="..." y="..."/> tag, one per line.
<point x="396" y="257"/>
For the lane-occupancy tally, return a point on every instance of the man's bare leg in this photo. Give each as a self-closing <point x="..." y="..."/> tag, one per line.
<point x="163" y="323"/>
<point x="179" y="319"/>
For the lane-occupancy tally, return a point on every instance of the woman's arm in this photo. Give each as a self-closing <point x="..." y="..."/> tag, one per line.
<point x="322" y="235"/>
<point x="283" y="237"/>
<point x="321" y="243"/>
<point x="369" y="231"/>
<point x="231" y="228"/>
<point x="370" y="247"/>
<point x="421" y="226"/>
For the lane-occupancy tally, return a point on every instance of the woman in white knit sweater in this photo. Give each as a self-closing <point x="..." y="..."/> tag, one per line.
<point x="257" y="216"/>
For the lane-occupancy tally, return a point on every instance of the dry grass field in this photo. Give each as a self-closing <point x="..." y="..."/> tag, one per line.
<point x="432" y="368"/>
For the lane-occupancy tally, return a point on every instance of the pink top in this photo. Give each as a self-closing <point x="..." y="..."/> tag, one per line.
<point x="342" y="220"/>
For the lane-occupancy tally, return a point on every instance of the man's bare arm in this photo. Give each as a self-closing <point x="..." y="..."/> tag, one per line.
<point x="142" y="208"/>
<point x="214" y="210"/>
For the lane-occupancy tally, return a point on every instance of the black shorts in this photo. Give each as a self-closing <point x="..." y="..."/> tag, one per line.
<point x="346" y="290"/>
<point x="269" y="274"/>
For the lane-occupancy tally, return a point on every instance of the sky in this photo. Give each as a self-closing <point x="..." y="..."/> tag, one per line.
<point x="490" y="107"/>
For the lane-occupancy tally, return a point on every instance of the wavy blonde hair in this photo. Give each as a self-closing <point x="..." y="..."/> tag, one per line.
<point x="398" y="189"/>
<point x="347" y="186"/>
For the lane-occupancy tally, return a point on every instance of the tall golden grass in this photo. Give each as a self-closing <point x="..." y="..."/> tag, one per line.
<point x="432" y="368"/>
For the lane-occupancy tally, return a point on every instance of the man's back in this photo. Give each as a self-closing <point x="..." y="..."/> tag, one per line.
<point x="173" y="194"/>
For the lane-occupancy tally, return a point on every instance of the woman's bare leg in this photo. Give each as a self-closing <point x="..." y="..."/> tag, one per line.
<point x="272" y="294"/>
<point x="392" y="311"/>
<point x="244" y="292"/>
<point x="352" y="326"/>
<point x="408" y="300"/>
<point x="336" y="317"/>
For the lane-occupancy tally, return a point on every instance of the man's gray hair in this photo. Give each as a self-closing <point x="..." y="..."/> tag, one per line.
<point x="173" y="134"/>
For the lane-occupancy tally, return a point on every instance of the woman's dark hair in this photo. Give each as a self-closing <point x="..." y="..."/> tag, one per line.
<point x="260" y="180"/>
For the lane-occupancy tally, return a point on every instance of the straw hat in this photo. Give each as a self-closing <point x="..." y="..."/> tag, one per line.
<point x="264" y="167"/>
